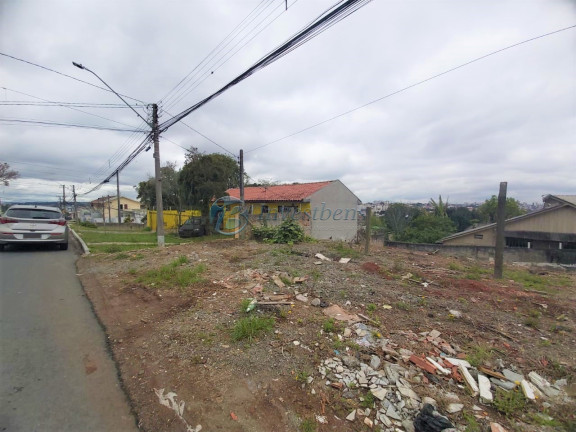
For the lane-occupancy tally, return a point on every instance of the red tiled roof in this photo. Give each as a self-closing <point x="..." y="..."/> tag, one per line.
<point x="292" y="192"/>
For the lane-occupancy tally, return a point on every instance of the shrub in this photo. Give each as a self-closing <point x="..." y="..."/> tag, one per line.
<point x="263" y="233"/>
<point x="289" y="232"/>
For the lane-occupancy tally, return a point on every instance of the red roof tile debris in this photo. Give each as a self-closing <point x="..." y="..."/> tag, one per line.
<point x="290" y="192"/>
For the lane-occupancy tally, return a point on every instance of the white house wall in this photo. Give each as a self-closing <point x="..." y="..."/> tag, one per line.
<point x="334" y="213"/>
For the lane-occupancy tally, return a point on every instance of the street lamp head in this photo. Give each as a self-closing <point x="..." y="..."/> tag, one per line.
<point x="78" y="65"/>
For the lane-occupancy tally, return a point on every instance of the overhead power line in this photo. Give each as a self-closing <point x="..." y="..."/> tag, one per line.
<point x="322" y="23"/>
<point x="70" y="125"/>
<point x="221" y="56"/>
<point x="409" y="87"/>
<point x="67" y="76"/>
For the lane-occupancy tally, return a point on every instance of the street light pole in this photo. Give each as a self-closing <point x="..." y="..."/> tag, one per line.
<point x="155" y="133"/>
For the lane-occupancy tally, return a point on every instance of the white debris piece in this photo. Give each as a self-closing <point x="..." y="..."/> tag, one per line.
<point x="484" y="388"/>
<point x="543" y="385"/>
<point x="322" y="257"/>
<point x="351" y="416"/>
<point x="169" y="400"/>
<point x="528" y="392"/>
<point x="470" y="382"/>
<point x="437" y="366"/>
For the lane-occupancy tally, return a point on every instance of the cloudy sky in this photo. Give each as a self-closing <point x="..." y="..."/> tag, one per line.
<point x="509" y="117"/>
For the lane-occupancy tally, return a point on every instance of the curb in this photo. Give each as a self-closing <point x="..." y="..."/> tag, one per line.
<point x="84" y="246"/>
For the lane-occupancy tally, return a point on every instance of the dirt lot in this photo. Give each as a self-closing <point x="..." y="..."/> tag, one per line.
<point x="174" y="344"/>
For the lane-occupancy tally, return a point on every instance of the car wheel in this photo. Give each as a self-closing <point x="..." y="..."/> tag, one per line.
<point x="63" y="246"/>
<point x="2" y="247"/>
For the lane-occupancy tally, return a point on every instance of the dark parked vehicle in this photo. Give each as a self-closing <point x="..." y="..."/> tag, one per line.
<point x="33" y="224"/>
<point x="193" y="227"/>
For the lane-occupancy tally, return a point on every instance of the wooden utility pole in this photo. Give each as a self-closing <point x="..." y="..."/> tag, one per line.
<point x="500" y="222"/>
<point x="368" y="229"/>
<point x="158" y="176"/>
<point x="242" y="174"/>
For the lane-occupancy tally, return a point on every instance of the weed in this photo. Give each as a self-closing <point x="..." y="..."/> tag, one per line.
<point x="368" y="401"/>
<point x="122" y="256"/>
<point x="532" y="322"/>
<point x="509" y="402"/>
<point x="329" y="326"/>
<point x="136" y="257"/>
<point x="455" y="266"/>
<point x="538" y="282"/>
<point x="472" y="424"/>
<point x="173" y="275"/>
<point x="132" y="271"/>
<point x="403" y="306"/>
<point x="423" y="302"/>
<point x="345" y="251"/>
<point x="308" y="425"/>
<point x="478" y="354"/>
<point x="251" y="326"/>
<point x="337" y="344"/>
<point x="244" y="305"/>
<point x="287" y="281"/>
<point x="315" y="274"/>
<point x="371" y="307"/>
<point x="545" y="343"/>
<point x="542" y="419"/>
<point x="397" y="267"/>
<point x="302" y="376"/>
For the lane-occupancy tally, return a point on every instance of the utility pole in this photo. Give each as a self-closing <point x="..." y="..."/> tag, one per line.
<point x="118" y="195"/>
<point x="242" y="174"/>
<point x="63" y="198"/>
<point x="368" y="229"/>
<point x="109" y="212"/>
<point x="75" y="204"/>
<point x="158" y="175"/>
<point x="500" y="222"/>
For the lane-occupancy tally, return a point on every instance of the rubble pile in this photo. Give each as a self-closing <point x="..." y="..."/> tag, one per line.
<point x="384" y="387"/>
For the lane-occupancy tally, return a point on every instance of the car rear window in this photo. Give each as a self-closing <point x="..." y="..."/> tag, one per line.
<point x="33" y="214"/>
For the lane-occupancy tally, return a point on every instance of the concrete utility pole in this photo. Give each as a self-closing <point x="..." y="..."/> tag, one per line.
<point x="109" y="211"/>
<point x="158" y="175"/>
<point x="500" y="223"/>
<point x="118" y="195"/>
<point x="75" y="204"/>
<point x="242" y="174"/>
<point x="63" y="198"/>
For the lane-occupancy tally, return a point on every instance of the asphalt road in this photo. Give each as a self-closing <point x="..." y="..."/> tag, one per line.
<point x="55" y="371"/>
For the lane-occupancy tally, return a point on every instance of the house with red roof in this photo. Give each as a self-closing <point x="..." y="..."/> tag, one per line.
<point x="327" y="210"/>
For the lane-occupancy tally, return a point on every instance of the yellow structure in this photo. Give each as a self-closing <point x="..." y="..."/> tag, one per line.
<point x="172" y="218"/>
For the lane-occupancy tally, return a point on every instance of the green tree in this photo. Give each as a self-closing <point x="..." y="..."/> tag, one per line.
<point x="171" y="192"/>
<point x="427" y="228"/>
<point x="398" y="217"/>
<point x="489" y="209"/>
<point x="206" y="177"/>
<point x="439" y="208"/>
<point x="6" y="174"/>
<point x="462" y="217"/>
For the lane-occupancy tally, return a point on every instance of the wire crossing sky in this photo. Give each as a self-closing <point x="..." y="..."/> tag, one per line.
<point x="437" y="130"/>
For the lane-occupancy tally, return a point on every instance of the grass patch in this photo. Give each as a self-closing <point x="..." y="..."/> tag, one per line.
<point x="174" y="274"/>
<point x="346" y="251"/>
<point x="472" y="424"/>
<point x="252" y="326"/>
<point x="402" y="306"/>
<point x="330" y="326"/>
<point x="509" y="402"/>
<point x="115" y="248"/>
<point x="371" y="307"/>
<point x="455" y="267"/>
<point x="368" y="401"/>
<point x="546" y="283"/>
<point x="308" y="425"/>
<point x="476" y="273"/>
<point x="479" y="354"/>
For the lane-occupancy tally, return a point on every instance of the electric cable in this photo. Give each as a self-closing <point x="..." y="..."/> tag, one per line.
<point x="67" y="76"/>
<point x="409" y="87"/>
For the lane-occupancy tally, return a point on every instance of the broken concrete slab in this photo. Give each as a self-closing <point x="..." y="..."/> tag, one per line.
<point x="527" y="390"/>
<point x="484" y="389"/>
<point x="470" y="382"/>
<point x="322" y="257"/>
<point x="513" y="376"/>
<point x="543" y="385"/>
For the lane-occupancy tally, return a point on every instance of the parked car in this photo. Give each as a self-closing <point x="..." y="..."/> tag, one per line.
<point x="193" y="227"/>
<point x="33" y="224"/>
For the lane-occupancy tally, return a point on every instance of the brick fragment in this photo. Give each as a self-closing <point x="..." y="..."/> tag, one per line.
<point x="422" y="364"/>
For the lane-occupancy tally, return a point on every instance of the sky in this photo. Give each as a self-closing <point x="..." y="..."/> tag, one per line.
<point x="508" y="117"/>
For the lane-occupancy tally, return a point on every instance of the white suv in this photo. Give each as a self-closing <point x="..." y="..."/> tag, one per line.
<point x="33" y="224"/>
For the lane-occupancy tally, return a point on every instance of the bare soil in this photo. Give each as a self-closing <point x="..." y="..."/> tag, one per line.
<point x="169" y="339"/>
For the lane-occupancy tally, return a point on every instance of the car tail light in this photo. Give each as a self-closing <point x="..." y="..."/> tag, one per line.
<point x="59" y="222"/>
<point x="5" y="220"/>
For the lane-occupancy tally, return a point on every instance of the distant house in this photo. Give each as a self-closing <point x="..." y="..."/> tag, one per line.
<point x="327" y="210"/>
<point x="107" y="208"/>
<point x="553" y="227"/>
